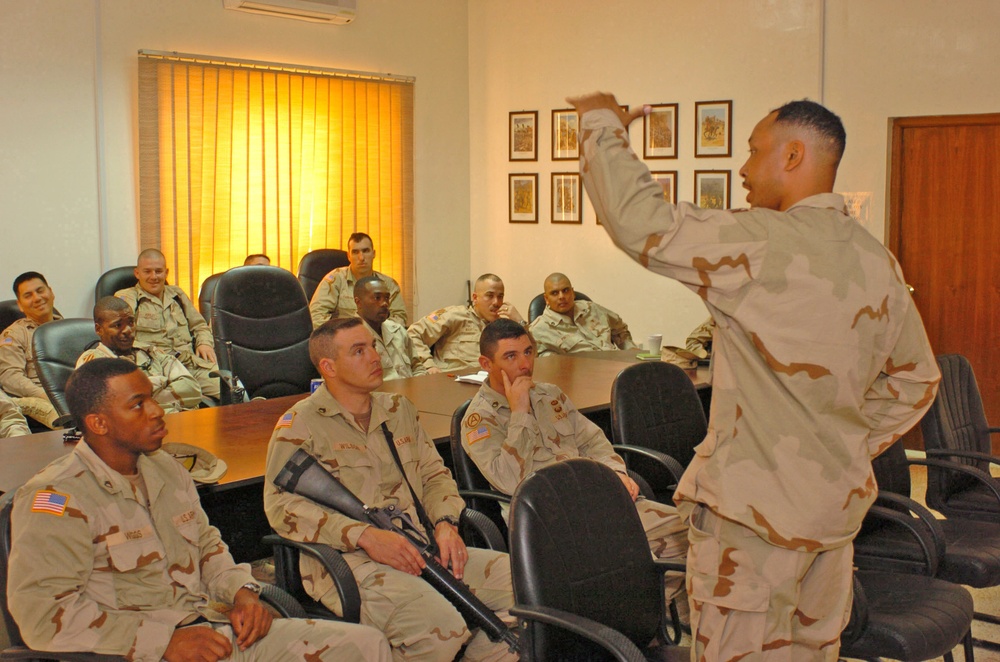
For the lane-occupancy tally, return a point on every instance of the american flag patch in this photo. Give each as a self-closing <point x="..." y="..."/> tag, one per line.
<point x="433" y="317"/>
<point x="480" y="433"/>
<point x="286" y="420"/>
<point x="8" y="341"/>
<point x="47" y="501"/>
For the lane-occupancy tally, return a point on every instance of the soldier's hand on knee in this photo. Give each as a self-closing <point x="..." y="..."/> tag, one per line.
<point x="197" y="644"/>
<point x="250" y="619"/>
<point x="453" y="550"/>
<point x="630" y="485"/>
<point x="391" y="549"/>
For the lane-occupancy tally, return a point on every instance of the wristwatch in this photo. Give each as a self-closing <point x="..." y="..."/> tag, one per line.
<point x="253" y="587"/>
<point x="447" y="518"/>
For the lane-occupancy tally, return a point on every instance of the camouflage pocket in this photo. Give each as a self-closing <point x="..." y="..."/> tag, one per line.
<point x="138" y="576"/>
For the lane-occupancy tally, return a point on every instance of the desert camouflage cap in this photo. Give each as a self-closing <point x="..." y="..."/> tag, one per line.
<point x="202" y="465"/>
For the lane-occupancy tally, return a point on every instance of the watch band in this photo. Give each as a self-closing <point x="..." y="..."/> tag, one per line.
<point x="253" y="587"/>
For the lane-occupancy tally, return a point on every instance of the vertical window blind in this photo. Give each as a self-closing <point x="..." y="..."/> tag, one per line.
<point x="238" y="157"/>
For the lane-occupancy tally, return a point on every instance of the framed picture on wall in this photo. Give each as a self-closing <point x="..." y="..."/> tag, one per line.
<point x="711" y="188"/>
<point x="524" y="135"/>
<point x="567" y="197"/>
<point x="565" y="127"/>
<point x="667" y="179"/>
<point x="713" y="128"/>
<point x="523" y="197"/>
<point x="659" y="132"/>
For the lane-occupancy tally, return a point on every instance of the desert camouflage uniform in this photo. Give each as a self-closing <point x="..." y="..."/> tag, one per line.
<point x="170" y="325"/>
<point x="112" y="575"/>
<point x="453" y="335"/>
<point x="334" y="297"/>
<point x="174" y="387"/>
<point x="418" y="621"/>
<point x="19" y="373"/>
<point x="820" y="362"/>
<point x="508" y="446"/>
<point x="591" y="328"/>
<point x="700" y="340"/>
<point x="396" y="350"/>
<point x="12" y="423"/>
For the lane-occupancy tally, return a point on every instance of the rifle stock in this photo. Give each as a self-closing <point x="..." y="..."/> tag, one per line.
<point x="303" y="475"/>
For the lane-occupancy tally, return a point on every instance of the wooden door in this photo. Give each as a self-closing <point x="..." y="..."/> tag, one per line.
<point x="944" y="226"/>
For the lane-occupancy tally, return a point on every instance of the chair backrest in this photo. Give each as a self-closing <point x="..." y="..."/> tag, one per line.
<point x="261" y="324"/>
<point x="577" y="545"/>
<point x="655" y="405"/>
<point x="57" y="345"/>
<point x="206" y="296"/>
<point x="6" y="505"/>
<point x="955" y="421"/>
<point x="892" y="471"/>
<point x="113" y="280"/>
<point x="318" y="263"/>
<point x="537" y="305"/>
<point x="9" y="313"/>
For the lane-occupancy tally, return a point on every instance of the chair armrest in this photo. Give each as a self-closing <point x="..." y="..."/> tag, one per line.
<point x="669" y="463"/>
<point x="971" y="455"/>
<point x="333" y="563"/>
<point x="499" y="497"/>
<point x="486" y="529"/>
<point x="917" y="520"/>
<point x="282" y="601"/>
<point x="858" y="622"/>
<point x="620" y="646"/>
<point x="984" y="478"/>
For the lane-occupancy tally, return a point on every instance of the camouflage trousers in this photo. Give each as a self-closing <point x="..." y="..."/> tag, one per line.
<point x="751" y="600"/>
<point x="39" y="409"/>
<point x="668" y="540"/>
<point x="202" y="371"/>
<point x="307" y="640"/>
<point x="419" y="622"/>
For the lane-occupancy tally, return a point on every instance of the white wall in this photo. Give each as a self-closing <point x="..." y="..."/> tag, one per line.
<point x="866" y="60"/>
<point x="68" y="129"/>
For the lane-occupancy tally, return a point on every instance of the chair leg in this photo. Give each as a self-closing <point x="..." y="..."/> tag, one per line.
<point x="970" y="654"/>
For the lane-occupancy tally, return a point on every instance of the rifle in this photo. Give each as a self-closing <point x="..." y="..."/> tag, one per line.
<point x="304" y="476"/>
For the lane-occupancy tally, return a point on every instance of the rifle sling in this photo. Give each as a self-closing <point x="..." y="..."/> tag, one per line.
<point x="425" y="520"/>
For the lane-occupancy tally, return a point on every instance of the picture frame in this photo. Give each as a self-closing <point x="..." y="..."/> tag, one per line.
<point x="522" y="197"/>
<point x="523" y="136"/>
<point x="713" y="129"/>
<point x="667" y="179"/>
<point x="567" y="197"/>
<point x="565" y="132"/>
<point x="711" y="188"/>
<point x="659" y="132"/>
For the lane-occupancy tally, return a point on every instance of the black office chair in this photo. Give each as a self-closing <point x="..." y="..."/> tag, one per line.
<point x="955" y="429"/>
<point x="655" y="406"/>
<point x="316" y="264"/>
<point x="261" y="324"/>
<point x="284" y="603"/>
<point x="479" y="495"/>
<point x="206" y="296"/>
<point x="537" y="305"/>
<point x="585" y="584"/>
<point x="9" y="313"/>
<point x="57" y="345"/>
<point x="113" y="280"/>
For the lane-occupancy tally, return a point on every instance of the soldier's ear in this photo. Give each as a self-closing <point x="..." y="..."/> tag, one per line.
<point x="327" y="368"/>
<point x="485" y="363"/>
<point x="95" y="424"/>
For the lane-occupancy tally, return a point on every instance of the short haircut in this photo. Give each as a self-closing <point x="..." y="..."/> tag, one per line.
<point x="358" y="236"/>
<point x="87" y="386"/>
<point x="817" y="118"/>
<point x="150" y="252"/>
<point x="251" y="258"/>
<point x="321" y="340"/>
<point x="110" y="304"/>
<point x="501" y="329"/>
<point x="362" y="283"/>
<point x="488" y="277"/>
<point x="553" y="277"/>
<point x="25" y="277"/>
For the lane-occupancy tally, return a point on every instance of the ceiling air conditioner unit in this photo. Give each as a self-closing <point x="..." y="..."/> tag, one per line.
<point x="337" y="12"/>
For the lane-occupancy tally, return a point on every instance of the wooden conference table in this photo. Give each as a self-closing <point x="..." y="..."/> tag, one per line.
<point x="238" y="434"/>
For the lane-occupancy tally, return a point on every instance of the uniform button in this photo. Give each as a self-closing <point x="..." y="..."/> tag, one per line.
<point x="107" y="483"/>
<point x="322" y="410"/>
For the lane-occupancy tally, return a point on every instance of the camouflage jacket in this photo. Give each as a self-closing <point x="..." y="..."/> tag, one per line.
<point x="334" y="297"/>
<point x="12" y="421"/>
<point x="18" y="372"/>
<point x="507" y="446"/>
<point x="169" y="324"/>
<point x="362" y="462"/>
<point x="174" y="387"/>
<point x="820" y="358"/>
<point x="448" y="338"/>
<point x="92" y="569"/>
<point x="396" y="350"/>
<point x="700" y="340"/>
<point x="591" y="328"/>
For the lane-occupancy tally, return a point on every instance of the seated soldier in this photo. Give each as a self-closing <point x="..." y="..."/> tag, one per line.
<point x="568" y="326"/>
<point x="515" y="426"/>
<point x="113" y="554"/>
<point x="348" y="428"/>
<point x="174" y="388"/>
<point x="12" y="421"/>
<point x="257" y="260"/>
<point x="699" y="342"/>
<point x="391" y="341"/>
<point x="18" y="372"/>
<point x="448" y="339"/>
<point x="334" y="297"/>
<point x="167" y="319"/>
